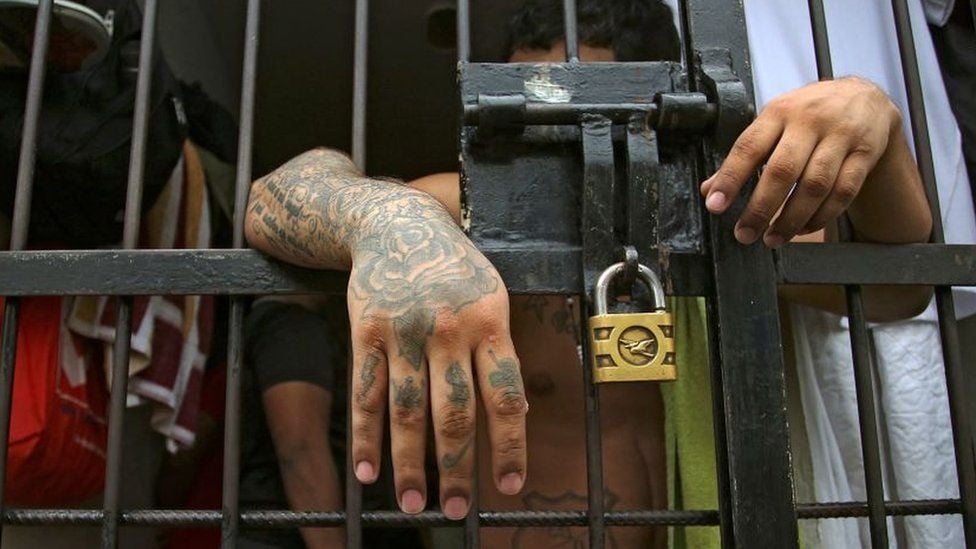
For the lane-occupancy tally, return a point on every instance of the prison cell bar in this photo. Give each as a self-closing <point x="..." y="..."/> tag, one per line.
<point x="952" y="355"/>
<point x="472" y="523"/>
<point x="860" y="342"/>
<point x="230" y="505"/>
<point x="463" y="21"/>
<point x="354" y="490"/>
<point x="761" y="506"/>
<point x="598" y="179"/>
<point x="570" y="31"/>
<point x="130" y="240"/>
<point x="396" y="519"/>
<point x="21" y="222"/>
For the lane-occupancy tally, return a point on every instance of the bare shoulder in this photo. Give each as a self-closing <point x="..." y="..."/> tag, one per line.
<point x="445" y="187"/>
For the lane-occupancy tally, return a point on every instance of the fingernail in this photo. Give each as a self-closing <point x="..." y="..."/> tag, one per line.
<point x="745" y="235"/>
<point x="456" y="508"/>
<point x="510" y="484"/>
<point x="774" y="240"/>
<point x="715" y="201"/>
<point x="705" y="185"/>
<point x="412" y="501"/>
<point x="364" y="471"/>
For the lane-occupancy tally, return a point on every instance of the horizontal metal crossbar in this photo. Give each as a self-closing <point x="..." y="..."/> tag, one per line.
<point x="281" y="519"/>
<point x="866" y="264"/>
<point x="247" y="272"/>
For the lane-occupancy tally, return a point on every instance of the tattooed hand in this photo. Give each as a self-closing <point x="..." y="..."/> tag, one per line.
<point x="427" y="312"/>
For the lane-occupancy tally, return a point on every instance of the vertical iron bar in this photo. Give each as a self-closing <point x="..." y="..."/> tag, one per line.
<point x="745" y="317"/>
<point x="860" y="342"/>
<point x="972" y="9"/>
<point x="119" y="390"/>
<point x="722" y="466"/>
<point x="354" y="490"/>
<point x="123" y="327"/>
<point x="8" y="358"/>
<point x="571" y="32"/>
<point x="867" y="418"/>
<point x="821" y="41"/>
<point x="232" y="411"/>
<point x="359" y="74"/>
<point x="20" y="223"/>
<point x="472" y="538"/>
<point x="464" y="30"/>
<point x="597" y="236"/>
<point x="952" y="355"/>
<point x="32" y="113"/>
<point x="718" y="425"/>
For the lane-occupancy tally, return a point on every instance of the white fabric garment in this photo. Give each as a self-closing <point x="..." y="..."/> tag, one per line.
<point x="911" y="397"/>
<point x="938" y="11"/>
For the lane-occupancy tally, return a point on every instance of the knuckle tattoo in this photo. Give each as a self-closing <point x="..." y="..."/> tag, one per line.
<point x="460" y="390"/>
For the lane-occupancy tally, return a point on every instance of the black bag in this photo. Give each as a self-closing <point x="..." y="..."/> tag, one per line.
<point x="85" y="136"/>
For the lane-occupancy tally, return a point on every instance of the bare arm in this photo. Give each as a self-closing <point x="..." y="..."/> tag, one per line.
<point x="298" y="419"/>
<point x="841" y="144"/>
<point x="426" y="308"/>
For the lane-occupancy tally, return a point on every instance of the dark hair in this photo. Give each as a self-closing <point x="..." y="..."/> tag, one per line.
<point x="636" y="30"/>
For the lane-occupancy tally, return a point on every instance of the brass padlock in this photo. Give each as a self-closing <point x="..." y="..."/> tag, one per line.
<point x="634" y="346"/>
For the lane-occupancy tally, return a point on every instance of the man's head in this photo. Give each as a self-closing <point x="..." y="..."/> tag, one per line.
<point x="609" y="30"/>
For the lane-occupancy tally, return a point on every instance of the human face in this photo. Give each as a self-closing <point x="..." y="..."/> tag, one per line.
<point x="557" y="54"/>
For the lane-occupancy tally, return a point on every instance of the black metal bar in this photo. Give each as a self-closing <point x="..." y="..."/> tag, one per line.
<point x="119" y="392"/>
<point x="489" y="519"/>
<point x="867" y="417"/>
<point x="860" y="343"/>
<point x="746" y="317"/>
<point x="32" y="113"/>
<point x="472" y="524"/>
<point x="553" y="114"/>
<point x="718" y="425"/>
<point x="571" y="31"/>
<point x="248" y="272"/>
<point x="232" y="411"/>
<point x="464" y="31"/>
<point x="867" y="264"/>
<point x="232" y="428"/>
<point x="8" y="359"/>
<point x="821" y="40"/>
<point x="21" y="222"/>
<point x="246" y="136"/>
<point x="359" y="75"/>
<point x="130" y="240"/>
<point x="354" y="490"/>
<point x="597" y="236"/>
<point x="952" y="355"/>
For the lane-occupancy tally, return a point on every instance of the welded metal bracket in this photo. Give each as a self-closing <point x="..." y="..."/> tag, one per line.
<point x="728" y="93"/>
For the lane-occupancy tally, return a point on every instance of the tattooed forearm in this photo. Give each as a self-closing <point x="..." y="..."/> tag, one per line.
<point x="408" y="394"/>
<point x="411" y="260"/>
<point x="460" y="393"/>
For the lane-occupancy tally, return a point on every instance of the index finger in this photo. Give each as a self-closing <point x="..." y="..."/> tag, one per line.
<point x="749" y="152"/>
<point x="500" y="383"/>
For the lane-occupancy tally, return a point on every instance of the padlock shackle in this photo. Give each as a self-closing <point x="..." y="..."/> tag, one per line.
<point x="644" y="274"/>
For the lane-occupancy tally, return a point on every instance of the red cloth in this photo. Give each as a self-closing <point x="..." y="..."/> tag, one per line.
<point x="206" y="492"/>
<point x="171" y="335"/>
<point x="56" y="447"/>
